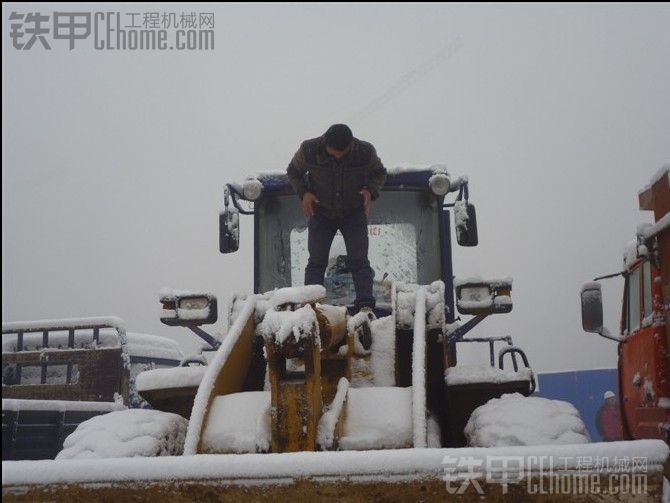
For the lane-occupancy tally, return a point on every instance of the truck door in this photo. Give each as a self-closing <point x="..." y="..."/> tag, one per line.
<point x="643" y="357"/>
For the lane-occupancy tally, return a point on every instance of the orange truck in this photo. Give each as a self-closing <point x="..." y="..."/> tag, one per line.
<point x="644" y="335"/>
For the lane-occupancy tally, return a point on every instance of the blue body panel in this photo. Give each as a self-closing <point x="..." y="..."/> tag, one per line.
<point x="582" y="388"/>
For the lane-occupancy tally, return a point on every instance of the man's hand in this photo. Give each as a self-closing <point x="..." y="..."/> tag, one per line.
<point x="308" y="202"/>
<point x="367" y="201"/>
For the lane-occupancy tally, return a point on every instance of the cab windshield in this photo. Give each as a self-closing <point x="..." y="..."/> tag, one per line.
<point x="404" y="245"/>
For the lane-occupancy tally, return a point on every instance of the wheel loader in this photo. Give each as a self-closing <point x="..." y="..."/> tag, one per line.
<point x="294" y="404"/>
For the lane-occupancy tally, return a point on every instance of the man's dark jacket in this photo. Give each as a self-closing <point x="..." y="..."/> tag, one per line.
<point x="336" y="184"/>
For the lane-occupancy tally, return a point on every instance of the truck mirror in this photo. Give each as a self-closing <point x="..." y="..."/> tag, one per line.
<point x="184" y="309"/>
<point x="229" y="230"/>
<point x="592" y="308"/>
<point x="466" y="224"/>
<point x="484" y="297"/>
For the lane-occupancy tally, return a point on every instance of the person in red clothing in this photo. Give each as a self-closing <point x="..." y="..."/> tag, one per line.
<point x="608" y="419"/>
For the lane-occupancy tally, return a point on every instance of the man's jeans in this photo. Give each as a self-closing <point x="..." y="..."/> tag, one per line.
<point x="354" y="229"/>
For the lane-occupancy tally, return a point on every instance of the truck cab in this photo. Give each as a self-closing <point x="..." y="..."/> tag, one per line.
<point x="644" y="361"/>
<point x="643" y="340"/>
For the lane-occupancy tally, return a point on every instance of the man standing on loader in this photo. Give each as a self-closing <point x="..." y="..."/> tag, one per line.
<point x="337" y="177"/>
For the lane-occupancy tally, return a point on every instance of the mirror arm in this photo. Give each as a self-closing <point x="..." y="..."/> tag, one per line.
<point x="616" y="274"/>
<point x="608" y="335"/>
<point x="465" y="192"/>
<point x="462" y="193"/>
<point x="205" y="336"/>
<point x="235" y="195"/>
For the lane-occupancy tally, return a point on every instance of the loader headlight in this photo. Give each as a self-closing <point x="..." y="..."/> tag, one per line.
<point x="186" y="309"/>
<point x="252" y="189"/>
<point x="476" y="294"/>
<point x="439" y="184"/>
<point x="194" y="303"/>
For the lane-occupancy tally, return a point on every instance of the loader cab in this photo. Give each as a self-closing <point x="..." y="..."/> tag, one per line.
<point x="409" y="234"/>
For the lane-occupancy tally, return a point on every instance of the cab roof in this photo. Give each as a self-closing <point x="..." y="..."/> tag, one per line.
<point x="417" y="178"/>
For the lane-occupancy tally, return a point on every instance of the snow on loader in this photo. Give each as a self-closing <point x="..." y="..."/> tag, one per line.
<point x="293" y="405"/>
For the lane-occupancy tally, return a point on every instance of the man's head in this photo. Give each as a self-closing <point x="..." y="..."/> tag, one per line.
<point x="338" y="140"/>
<point x="610" y="398"/>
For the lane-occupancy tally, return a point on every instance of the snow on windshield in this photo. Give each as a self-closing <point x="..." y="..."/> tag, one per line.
<point x="392" y="255"/>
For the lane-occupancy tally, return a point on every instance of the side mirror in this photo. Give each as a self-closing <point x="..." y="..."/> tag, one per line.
<point x="229" y="230"/>
<point x="592" y="308"/>
<point x="183" y="309"/>
<point x="466" y="223"/>
<point x="484" y="297"/>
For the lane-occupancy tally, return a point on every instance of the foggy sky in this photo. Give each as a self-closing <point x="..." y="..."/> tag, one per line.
<point x="113" y="162"/>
